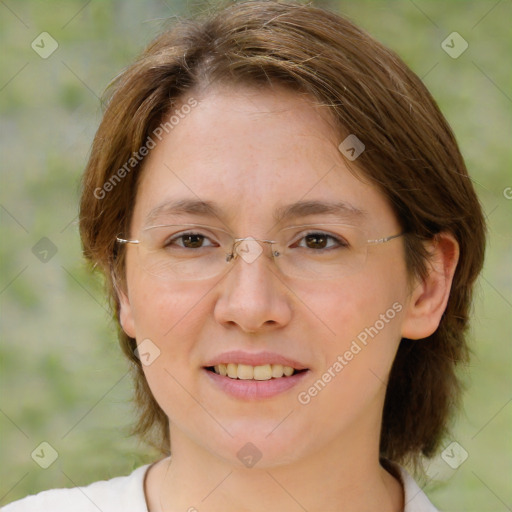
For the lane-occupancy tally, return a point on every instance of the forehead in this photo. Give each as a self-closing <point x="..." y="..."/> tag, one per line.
<point x="251" y="155"/>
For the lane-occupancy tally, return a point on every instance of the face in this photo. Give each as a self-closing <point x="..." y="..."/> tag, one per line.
<point x="252" y="153"/>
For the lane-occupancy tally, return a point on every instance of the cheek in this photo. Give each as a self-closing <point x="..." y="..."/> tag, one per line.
<point x="365" y="317"/>
<point x="363" y="314"/>
<point x="170" y="315"/>
<point x="348" y="307"/>
<point x="173" y="316"/>
<point x="160" y="307"/>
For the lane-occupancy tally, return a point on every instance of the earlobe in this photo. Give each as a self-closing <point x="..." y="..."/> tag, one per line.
<point x="428" y="300"/>
<point x="126" y="314"/>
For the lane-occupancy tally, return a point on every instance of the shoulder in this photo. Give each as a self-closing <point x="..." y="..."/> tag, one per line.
<point x="125" y="493"/>
<point x="415" y="499"/>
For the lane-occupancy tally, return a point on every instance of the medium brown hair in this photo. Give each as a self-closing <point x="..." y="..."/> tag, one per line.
<point x="411" y="155"/>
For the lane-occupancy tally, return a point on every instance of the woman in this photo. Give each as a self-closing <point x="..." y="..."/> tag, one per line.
<point x="290" y="239"/>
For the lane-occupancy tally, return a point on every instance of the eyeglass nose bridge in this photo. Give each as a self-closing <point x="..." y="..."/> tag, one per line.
<point x="250" y="250"/>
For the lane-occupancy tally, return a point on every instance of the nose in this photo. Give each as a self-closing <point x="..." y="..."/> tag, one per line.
<point x="252" y="294"/>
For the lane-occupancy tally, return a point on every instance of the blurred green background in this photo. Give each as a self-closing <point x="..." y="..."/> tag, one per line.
<point x="63" y="379"/>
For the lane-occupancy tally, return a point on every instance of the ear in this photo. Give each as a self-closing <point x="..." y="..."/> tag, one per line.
<point x="125" y="313"/>
<point x="428" y="299"/>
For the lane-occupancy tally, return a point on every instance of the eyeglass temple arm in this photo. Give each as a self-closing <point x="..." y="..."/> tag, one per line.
<point x="385" y="239"/>
<point x="126" y="241"/>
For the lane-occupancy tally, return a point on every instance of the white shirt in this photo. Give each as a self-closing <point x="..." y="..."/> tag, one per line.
<point x="126" y="494"/>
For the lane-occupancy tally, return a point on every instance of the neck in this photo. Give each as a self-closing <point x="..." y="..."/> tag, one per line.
<point x="345" y="476"/>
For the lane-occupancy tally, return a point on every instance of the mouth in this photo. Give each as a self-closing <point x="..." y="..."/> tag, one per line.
<point x="258" y="381"/>
<point x="254" y="375"/>
<point x="265" y="372"/>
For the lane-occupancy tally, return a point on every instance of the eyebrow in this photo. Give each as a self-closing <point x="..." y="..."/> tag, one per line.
<point x="200" y="208"/>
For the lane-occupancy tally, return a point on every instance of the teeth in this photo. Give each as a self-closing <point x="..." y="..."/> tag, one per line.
<point x="263" y="372"/>
<point x="288" y="370"/>
<point x="248" y="372"/>
<point x="232" y="370"/>
<point x="277" y="371"/>
<point x="245" y="372"/>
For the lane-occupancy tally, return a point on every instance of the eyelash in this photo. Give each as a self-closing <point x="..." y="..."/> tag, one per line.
<point x="339" y="241"/>
<point x="172" y="239"/>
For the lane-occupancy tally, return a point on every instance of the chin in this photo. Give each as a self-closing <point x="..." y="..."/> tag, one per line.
<point x="253" y="447"/>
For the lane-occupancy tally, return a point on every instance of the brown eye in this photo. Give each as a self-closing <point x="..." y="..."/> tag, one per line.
<point x="188" y="241"/>
<point x="319" y="240"/>
<point x="316" y="241"/>
<point x="192" y="241"/>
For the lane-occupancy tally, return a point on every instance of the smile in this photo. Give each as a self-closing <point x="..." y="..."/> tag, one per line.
<point x="248" y="372"/>
<point x="254" y="375"/>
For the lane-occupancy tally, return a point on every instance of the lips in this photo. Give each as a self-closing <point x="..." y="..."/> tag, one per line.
<point x="260" y="375"/>
<point x="239" y="357"/>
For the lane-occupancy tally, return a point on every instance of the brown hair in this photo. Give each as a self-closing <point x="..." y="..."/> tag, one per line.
<point x="411" y="154"/>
